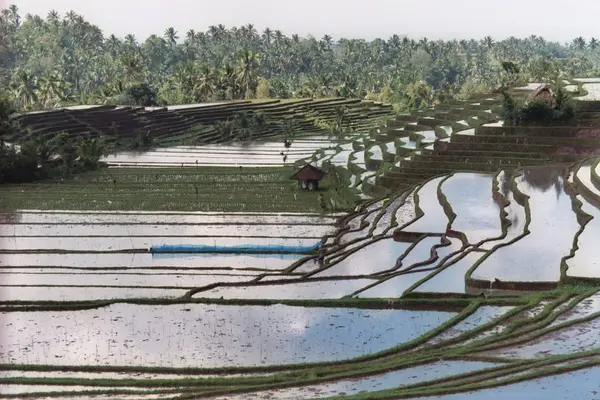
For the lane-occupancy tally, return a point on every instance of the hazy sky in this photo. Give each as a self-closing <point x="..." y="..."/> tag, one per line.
<point x="553" y="19"/>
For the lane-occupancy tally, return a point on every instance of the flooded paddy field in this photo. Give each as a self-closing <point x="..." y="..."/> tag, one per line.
<point x="411" y="295"/>
<point x="206" y="335"/>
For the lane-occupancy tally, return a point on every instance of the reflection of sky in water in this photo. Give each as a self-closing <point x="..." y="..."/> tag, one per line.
<point x="536" y="257"/>
<point x="435" y="219"/>
<point x="477" y="215"/>
<point x="187" y="230"/>
<point x="452" y="279"/>
<point x="482" y="316"/>
<point x="567" y="386"/>
<point x="385" y="381"/>
<point x="376" y="257"/>
<point x="394" y="287"/>
<point x="572" y="339"/>
<point x="141" y="260"/>
<point x="303" y="290"/>
<point x="207" y="335"/>
<point x="586" y="262"/>
<point x="127" y="243"/>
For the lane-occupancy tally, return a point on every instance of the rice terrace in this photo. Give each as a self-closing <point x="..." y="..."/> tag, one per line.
<point x="434" y="242"/>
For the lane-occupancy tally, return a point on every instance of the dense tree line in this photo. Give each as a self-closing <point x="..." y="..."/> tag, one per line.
<point x="54" y="60"/>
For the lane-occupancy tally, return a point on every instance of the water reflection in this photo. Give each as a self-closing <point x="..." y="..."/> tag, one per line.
<point x="201" y="335"/>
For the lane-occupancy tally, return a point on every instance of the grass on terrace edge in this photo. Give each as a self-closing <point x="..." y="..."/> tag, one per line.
<point x="225" y="189"/>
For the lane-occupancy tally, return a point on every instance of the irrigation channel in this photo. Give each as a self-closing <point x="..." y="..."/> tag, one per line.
<point x="463" y="282"/>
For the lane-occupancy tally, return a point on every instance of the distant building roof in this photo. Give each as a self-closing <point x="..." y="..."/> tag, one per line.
<point x="308" y="173"/>
<point x="542" y="93"/>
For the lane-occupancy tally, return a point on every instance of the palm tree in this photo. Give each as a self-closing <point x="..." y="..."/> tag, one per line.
<point x="593" y="44"/>
<point x="53" y="17"/>
<point x="579" y="43"/>
<point x="25" y="88"/>
<point x="51" y="89"/>
<point x="204" y="86"/>
<point x="267" y="36"/>
<point x="246" y="73"/>
<point x="488" y="42"/>
<point x="171" y="35"/>
<point x="13" y="15"/>
<point x="71" y="16"/>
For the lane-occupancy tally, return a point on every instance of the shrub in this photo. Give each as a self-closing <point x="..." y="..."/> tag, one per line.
<point x="140" y="95"/>
<point x="536" y="113"/>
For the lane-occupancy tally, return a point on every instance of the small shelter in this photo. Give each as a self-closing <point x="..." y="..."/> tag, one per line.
<point x="542" y="93"/>
<point x="308" y="177"/>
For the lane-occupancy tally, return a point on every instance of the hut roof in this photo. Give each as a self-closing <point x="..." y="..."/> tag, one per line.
<point x="308" y="173"/>
<point x="543" y="92"/>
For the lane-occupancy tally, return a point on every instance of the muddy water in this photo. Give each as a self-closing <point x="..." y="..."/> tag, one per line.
<point x="76" y="243"/>
<point x="256" y="153"/>
<point x="161" y="218"/>
<point x="583" y="309"/>
<point x="385" y="381"/>
<point x="116" y="279"/>
<point x="574" y="339"/>
<point x="274" y="231"/>
<point x="62" y="293"/>
<point x="311" y="290"/>
<point x="580" y="384"/>
<point x="23" y="389"/>
<point x="481" y="316"/>
<point x="198" y="335"/>
<point x="536" y="257"/>
<point x="391" y="208"/>
<point x="147" y="260"/>
<point x="477" y="215"/>
<point x="377" y="257"/>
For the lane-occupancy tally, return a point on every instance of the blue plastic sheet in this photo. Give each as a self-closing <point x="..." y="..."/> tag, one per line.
<point x="178" y="248"/>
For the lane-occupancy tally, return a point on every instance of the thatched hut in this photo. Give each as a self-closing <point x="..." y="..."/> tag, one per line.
<point x="308" y="177"/>
<point x="542" y="93"/>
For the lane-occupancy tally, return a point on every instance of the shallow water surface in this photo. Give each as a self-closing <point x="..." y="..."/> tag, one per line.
<point x="307" y="290"/>
<point x="393" y="287"/>
<point x="200" y="335"/>
<point x="434" y="220"/>
<point x="537" y="256"/>
<point x="147" y="260"/>
<point x="585" y="263"/>
<point x="374" y="258"/>
<point x="470" y="196"/>
<point x="451" y="279"/>
<point x="63" y="293"/>
<point x="389" y="380"/>
<point x="581" y="384"/>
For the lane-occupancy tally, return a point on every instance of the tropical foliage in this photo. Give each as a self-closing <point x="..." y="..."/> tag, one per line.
<point x="560" y="110"/>
<point x="40" y="158"/>
<point x="54" y="60"/>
